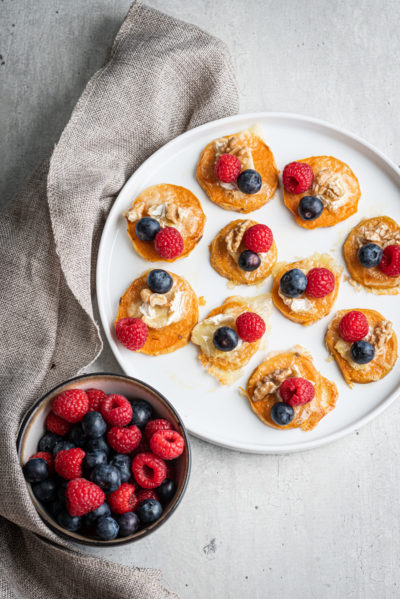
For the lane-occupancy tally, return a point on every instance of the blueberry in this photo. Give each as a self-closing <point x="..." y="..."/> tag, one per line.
<point x="149" y="511"/>
<point x="123" y="463"/>
<point x="56" y="507"/>
<point x="61" y="488"/>
<point x="36" y="470"/>
<point x="45" y="491"/>
<point x="370" y="255"/>
<point x="91" y="517"/>
<point x="71" y="523"/>
<point x="106" y="477"/>
<point x="142" y="412"/>
<point x="249" y="261"/>
<point x="61" y="445"/>
<point x="97" y="445"/>
<point x="362" y="352"/>
<point x="249" y="181"/>
<point x="225" y="339"/>
<point x="94" y="458"/>
<point x="48" y="442"/>
<point x="310" y="207"/>
<point x="147" y="228"/>
<point x="282" y="413"/>
<point x="166" y="490"/>
<point x="128" y="524"/>
<point x="76" y="435"/>
<point x="107" y="528"/>
<point x="159" y="281"/>
<point x="293" y="283"/>
<point x="93" y="425"/>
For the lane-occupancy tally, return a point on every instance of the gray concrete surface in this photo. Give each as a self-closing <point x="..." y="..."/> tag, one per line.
<point x="323" y="524"/>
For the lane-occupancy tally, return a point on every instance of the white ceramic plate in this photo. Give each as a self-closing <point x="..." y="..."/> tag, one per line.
<point x="211" y="411"/>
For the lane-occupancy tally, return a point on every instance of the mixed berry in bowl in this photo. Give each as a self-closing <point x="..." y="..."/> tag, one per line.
<point x="106" y="467"/>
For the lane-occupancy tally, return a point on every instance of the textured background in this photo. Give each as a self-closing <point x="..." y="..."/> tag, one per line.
<point x="321" y="524"/>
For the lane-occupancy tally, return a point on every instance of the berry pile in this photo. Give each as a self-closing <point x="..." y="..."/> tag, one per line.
<point x="249" y="327"/>
<point x="168" y="242"/>
<point x="257" y="240"/>
<point x="353" y="328"/>
<point x="105" y="465"/>
<point x="294" y="391"/>
<point x="388" y="260"/>
<point x="319" y="282"/>
<point x="228" y="169"/>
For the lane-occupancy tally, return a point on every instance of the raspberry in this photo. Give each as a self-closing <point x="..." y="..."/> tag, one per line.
<point x="131" y="332"/>
<point x="71" y="405"/>
<point x="250" y="326"/>
<point x="169" y="243"/>
<point x="390" y="263"/>
<point x="83" y="497"/>
<point x="146" y="494"/>
<point x="227" y="168"/>
<point x="167" y="445"/>
<point x="320" y="282"/>
<point x="47" y="457"/>
<point x="116" y="410"/>
<point x="353" y="326"/>
<point x="57" y="425"/>
<point x="258" y="238"/>
<point x="296" y="391"/>
<point x="68" y="463"/>
<point x="95" y="397"/>
<point x="297" y="177"/>
<point x="149" y="470"/>
<point x="124" y="440"/>
<point x="156" y="425"/>
<point x="123" y="499"/>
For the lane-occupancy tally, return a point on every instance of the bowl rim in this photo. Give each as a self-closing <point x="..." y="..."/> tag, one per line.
<point x="142" y="533"/>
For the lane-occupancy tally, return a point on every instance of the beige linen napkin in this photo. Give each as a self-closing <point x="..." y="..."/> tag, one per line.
<point x="163" y="77"/>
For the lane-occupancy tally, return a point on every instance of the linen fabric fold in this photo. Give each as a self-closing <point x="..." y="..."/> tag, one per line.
<point x="163" y="77"/>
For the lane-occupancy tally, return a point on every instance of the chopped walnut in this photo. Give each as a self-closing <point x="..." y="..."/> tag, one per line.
<point x="381" y="334"/>
<point x="272" y="381"/>
<point x="328" y="186"/>
<point x="134" y="213"/>
<point x="234" y="237"/>
<point x="173" y="213"/>
<point x="153" y="299"/>
<point x="381" y="234"/>
<point x="234" y="146"/>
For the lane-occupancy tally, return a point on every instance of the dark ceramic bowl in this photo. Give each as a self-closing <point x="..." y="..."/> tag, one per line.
<point x="33" y="428"/>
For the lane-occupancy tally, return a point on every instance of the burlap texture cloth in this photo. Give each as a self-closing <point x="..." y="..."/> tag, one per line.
<point x="162" y="77"/>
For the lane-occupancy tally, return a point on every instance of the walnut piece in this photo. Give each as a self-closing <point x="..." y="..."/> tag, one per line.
<point x="381" y="334"/>
<point x="328" y="186"/>
<point x="272" y="381"/>
<point x="234" y="146"/>
<point x="135" y="213"/>
<point x="234" y="237"/>
<point x="153" y="299"/>
<point x="381" y="234"/>
<point x="173" y="213"/>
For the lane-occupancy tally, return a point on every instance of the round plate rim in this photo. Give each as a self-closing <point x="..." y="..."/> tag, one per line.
<point x="251" y="116"/>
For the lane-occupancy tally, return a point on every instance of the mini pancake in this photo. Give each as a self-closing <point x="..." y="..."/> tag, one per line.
<point x="383" y="231"/>
<point x="306" y="309"/>
<point x="168" y="338"/>
<point x="227" y="366"/>
<point x="299" y="361"/>
<point x="172" y="206"/>
<point x="335" y="184"/>
<point x="385" y="356"/>
<point x="225" y="265"/>
<point x="227" y="195"/>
